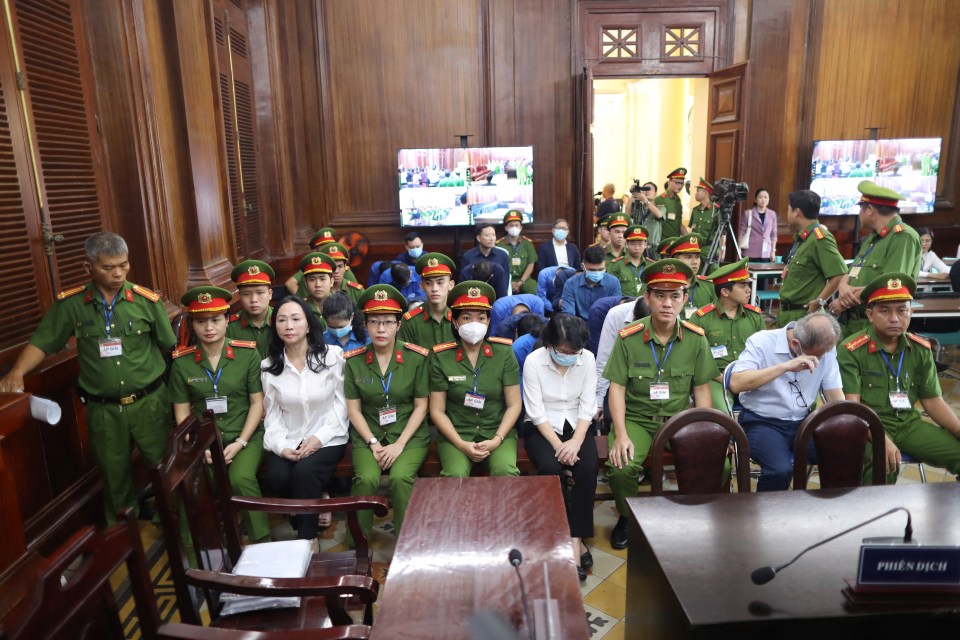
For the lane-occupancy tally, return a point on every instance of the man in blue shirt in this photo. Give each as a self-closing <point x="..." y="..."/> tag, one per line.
<point x="583" y="289"/>
<point x="414" y="245"/>
<point x="486" y="249"/>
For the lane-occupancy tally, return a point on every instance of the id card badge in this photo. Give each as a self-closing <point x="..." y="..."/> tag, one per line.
<point x="217" y="404"/>
<point x="671" y="216"/>
<point x="899" y="401"/>
<point x="854" y="272"/>
<point x="111" y="348"/>
<point x="660" y="391"/>
<point x="688" y="312"/>
<point x="388" y="415"/>
<point x="719" y="351"/>
<point x="474" y="400"/>
<point x="515" y="262"/>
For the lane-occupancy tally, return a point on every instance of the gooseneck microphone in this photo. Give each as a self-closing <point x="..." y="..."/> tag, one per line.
<point x="516" y="558"/>
<point x="763" y="575"/>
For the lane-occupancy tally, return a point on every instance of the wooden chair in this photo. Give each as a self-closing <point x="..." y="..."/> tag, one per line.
<point x="68" y="594"/>
<point x="839" y="431"/>
<point x="699" y="440"/>
<point x="186" y="485"/>
<point x="179" y="631"/>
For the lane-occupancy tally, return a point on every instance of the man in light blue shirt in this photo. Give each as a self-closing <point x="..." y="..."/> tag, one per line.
<point x="778" y="376"/>
<point x="583" y="289"/>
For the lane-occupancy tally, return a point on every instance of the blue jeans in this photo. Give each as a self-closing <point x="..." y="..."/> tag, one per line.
<point x="771" y="446"/>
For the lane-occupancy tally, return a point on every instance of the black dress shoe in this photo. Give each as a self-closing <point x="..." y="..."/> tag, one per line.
<point x="618" y="539"/>
<point x="586" y="560"/>
<point x="582" y="574"/>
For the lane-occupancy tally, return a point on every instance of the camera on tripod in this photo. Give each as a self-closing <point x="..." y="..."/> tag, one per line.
<point x="635" y="188"/>
<point x="726" y="192"/>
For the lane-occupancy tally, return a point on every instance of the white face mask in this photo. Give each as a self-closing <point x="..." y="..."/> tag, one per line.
<point x="472" y="332"/>
<point x="513" y="232"/>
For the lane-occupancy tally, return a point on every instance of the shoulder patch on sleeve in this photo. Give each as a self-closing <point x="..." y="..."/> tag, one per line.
<point x="410" y="314"/>
<point x="355" y="285"/>
<point x="753" y="308"/>
<point x="506" y="341"/>
<point x="416" y="348"/>
<point x="693" y="327"/>
<point x="631" y="329"/>
<point x="920" y="341"/>
<point x="700" y="277"/>
<point x="819" y="234"/>
<point x="246" y="344"/>
<point x="184" y="351"/>
<point x="146" y="293"/>
<point x="355" y="352"/>
<point x="853" y="345"/>
<point x="897" y="228"/>
<point x="63" y="295"/>
<point x="437" y="348"/>
<point x="702" y="311"/>
<point x="619" y="259"/>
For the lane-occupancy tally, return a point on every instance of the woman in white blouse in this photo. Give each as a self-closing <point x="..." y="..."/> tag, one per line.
<point x="931" y="266"/>
<point x="305" y="423"/>
<point x="559" y="393"/>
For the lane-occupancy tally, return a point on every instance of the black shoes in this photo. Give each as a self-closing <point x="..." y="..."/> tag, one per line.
<point x="618" y="539"/>
<point x="582" y="574"/>
<point x="586" y="560"/>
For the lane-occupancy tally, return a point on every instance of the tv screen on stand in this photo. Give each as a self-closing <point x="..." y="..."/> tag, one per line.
<point x="461" y="187"/>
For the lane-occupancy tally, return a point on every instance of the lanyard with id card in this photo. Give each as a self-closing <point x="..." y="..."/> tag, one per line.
<point x="387" y="414"/>
<point x="660" y="390"/>
<point x="218" y="403"/>
<point x="475" y="400"/>
<point x="898" y="399"/>
<point x="109" y="347"/>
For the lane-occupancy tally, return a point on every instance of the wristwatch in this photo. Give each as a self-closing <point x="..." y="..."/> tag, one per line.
<point x="372" y="441"/>
<point x="821" y="302"/>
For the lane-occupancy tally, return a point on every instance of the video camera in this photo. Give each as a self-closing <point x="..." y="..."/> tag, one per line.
<point x="635" y="188"/>
<point x="726" y="192"/>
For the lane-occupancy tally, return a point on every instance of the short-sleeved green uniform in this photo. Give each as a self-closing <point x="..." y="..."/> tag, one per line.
<point x="727" y="338"/>
<point x="139" y="322"/>
<point x="352" y="289"/>
<point x="521" y="255"/>
<point x="452" y="373"/>
<point x="684" y="363"/>
<point x="407" y="377"/>
<point x="237" y="377"/>
<point x="240" y="328"/>
<point x="609" y="258"/>
<point x="894" y="248"/>
<point x="419" y="327"/>
<point x="701" y="294"/>
<point x="865" y="371"/>
<point x="672" y="219"/>
<point x="628" y="274"/>
<point x="813" y="259"/>
<point x="703" y="222"/>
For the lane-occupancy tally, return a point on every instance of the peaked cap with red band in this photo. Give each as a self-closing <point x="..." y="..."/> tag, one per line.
<point x="336" y="251"/>
<point x="433" y="265"/>
<point x="872" y="193"/>
<point x="382" y="298"/>
<point x="689" y="243"/>
<point x="252" y="272"/>
<point x="324" y="236"/>
<point x="317" y="262"/>
<point x="514" y="215"/>
<point x="890" y="287"/>
<point x="667" y="274"/>
<point x="734" y="272"/>
<point x="472" y="294"/>
<point x="635" y="232"/>
<point x="206" y="300"/>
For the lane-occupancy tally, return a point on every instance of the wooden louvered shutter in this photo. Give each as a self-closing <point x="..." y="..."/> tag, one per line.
<point x="239" y="124"/>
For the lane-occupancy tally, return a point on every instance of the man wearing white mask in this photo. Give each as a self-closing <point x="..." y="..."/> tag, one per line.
<point x="523" y="257"/>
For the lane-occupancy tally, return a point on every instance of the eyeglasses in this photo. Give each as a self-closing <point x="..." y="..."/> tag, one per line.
<point x="800" y="400"/>
<point x="381" y="323"/>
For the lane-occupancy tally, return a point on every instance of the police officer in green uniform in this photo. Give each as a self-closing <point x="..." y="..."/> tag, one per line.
<point x="523" y="255"/>
<point x="252" y="323"/>
<point x="318" y="268"/>
<point x="687" y="249"/>
<point x="629" y="267"/>
<point x="890" y="246"/>
<point x="387" y="387"/>
<point x="122" y="332"/>
<point x="340" y="280"/>
<point x="656" y="363"/>
<point x="670" y="199"/>
<point x="430" y="323"/>
<point x="603" y="232"/>
<point x="813" y="267"/>
<point x="475" y="389"/>
<point x="889" y="370"/>
<point x="223" y="376"/>
<point x="618" y="224"/>
<point x="663" y="247"/>
<point x="703" y="217"/>
<point x="729" y="321"/>
<point x="321" y="238"/>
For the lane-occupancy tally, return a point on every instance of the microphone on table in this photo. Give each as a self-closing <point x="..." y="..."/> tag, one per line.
<point x="764" y="575"/>
<point x="516" y="558"/>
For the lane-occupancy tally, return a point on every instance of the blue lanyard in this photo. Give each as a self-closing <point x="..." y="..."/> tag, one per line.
<point x="215" y="381"/>
<point x="873" y="243"/>
<point x="636" y="273"/>
<point x="890" y="366"/>
<point x="385" y="383"/>
<point x="666" y="355"/>
<point x="108" y="309"/>
<point x="476" y="377"/>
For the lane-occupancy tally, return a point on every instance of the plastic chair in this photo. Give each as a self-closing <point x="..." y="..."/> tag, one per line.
<point x="839" y="431"/>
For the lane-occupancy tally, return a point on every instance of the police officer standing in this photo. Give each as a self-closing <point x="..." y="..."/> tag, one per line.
<point x="523" y="255"/>
<point x="617" y="224"/>
<point x="703" y="217"/>
<point x="254" y="279"/>
<point x="122" y="332"/>
<point x="670" y="200"/>
<point x="629" y="267"/>
<point x="429" y="324"/>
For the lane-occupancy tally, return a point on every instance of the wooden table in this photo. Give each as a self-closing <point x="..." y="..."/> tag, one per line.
<point x="451" y="558"/>
<point x="690" y="560"/>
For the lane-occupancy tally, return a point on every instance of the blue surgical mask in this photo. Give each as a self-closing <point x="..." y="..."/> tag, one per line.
<point x="560" y="234"/>
<point x="415" y="253"/>
<point x="595" y="276"/>
<point x="341" y="332"/>
<point x="564" y="359"/>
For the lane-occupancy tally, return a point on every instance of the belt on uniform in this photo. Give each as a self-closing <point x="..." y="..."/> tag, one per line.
<point x="786" y="306"/>
<point x="125" y="400"/>
<point x="660" y="419"/>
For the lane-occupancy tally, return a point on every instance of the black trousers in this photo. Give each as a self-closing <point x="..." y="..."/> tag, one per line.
<point x="307" y="478"/>
<point x="579" y="498"/>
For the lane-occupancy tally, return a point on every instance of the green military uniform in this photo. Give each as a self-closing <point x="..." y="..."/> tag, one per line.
<point x="628" y="274"/>
<point x="701" y="291"/>
<point x="522" y="254"/>
<point x="809" y="265"/>
<point x="237" y="377"/>
<point x="319" y="263"/>
<point x="704" y="221"/>
<point x="614" y="221"/>
<point x="348" y="285"/>
<point x="241" y="328"/>
<point x="673" y="217"/>
<point x="348" y="277"/>
<point x="121" y="376"/>
<point x="420" y="328"/>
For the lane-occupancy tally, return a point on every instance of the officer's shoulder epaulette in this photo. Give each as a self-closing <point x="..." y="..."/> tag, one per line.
<point x="819" y="234"/>
<point x="700" y="277"/>
<point x="619" y="259"/>
<point x="920" y="341"/>
<point x="146" y="293"/>
<point x="693" y="327"/>
<point x="663" y="195"/>
<point x="413" y="312"/>
<point x="750" y="307"/>
<point x="355" y="352"/>
<point x="246" y="344"/>
<point x="853" y="345"/>
<point x="702" y="311"/>
<point x="63" y="295"/>
<point x="355" y="285"/>
<point x="897" y="228"/>
<point x="234" y="317"/>
<point x="528" y="239"/>
<point x="417" y="348"/>
<point x="443" y="346"/>
<point x="179" y="353"/>
<point x="631" y="329"/>
<point x="506" y="341"/>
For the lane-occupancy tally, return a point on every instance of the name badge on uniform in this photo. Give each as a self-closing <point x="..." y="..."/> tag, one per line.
<point x="388" y="415"/>
<point x="688" y="312"/>
<point x="456" y="378"/>
<point x="474" y="400"/>
<point x="515" y="262"/>
<point x="899" y="401"/>
<point x="671" y="216"/>
<point x="660" y="391"/>
<point x="719" y="351"/>
<point x="854" y="272"/>
<point x="217" y="404"/>
<point x="111" y="348"/>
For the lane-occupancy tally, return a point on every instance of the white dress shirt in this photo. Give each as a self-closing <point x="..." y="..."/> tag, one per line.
<point x="550" y="396"/>
<point x="561" y="252"/>
<point x="930" y="262"/>
<point x="617" y="318"/>
<point x="300" y="404"/>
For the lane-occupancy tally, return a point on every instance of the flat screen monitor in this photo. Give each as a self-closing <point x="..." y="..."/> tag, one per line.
<point x="461" y="187"/>
<point x="908" y="166"/>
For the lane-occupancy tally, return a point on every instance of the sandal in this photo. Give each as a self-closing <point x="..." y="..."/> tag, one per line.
<point x="324" y="520"/>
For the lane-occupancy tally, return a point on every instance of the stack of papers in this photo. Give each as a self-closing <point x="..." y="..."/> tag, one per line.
<point x="286" y="559"/>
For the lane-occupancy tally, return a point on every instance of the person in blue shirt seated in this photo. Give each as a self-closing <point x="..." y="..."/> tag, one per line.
<point x="344" y="324"/>
<point x="492" y="274"/>
<point x="506" y="310"/>
<point x="414" y="250"/>
<point x="405" y="280"/>
<point x="585" y="288"/>
<point x="486" y="250"/>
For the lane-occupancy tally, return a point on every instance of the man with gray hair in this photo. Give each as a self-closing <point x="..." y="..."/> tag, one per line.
<point x="122" y="331"/>
<point x="778" y="376"/>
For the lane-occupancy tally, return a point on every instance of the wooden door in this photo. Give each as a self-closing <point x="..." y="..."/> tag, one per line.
<point x="725" y="120"/>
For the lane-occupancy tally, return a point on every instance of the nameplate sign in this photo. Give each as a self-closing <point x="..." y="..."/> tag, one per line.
<point x="909" y="565"/>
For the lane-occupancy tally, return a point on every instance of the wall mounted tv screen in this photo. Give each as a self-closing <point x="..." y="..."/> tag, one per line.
<point x="461" y="187"/>
<point x="908" y="166"/>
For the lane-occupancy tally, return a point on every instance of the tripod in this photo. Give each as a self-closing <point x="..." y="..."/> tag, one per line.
<point x="723" y="227"/>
